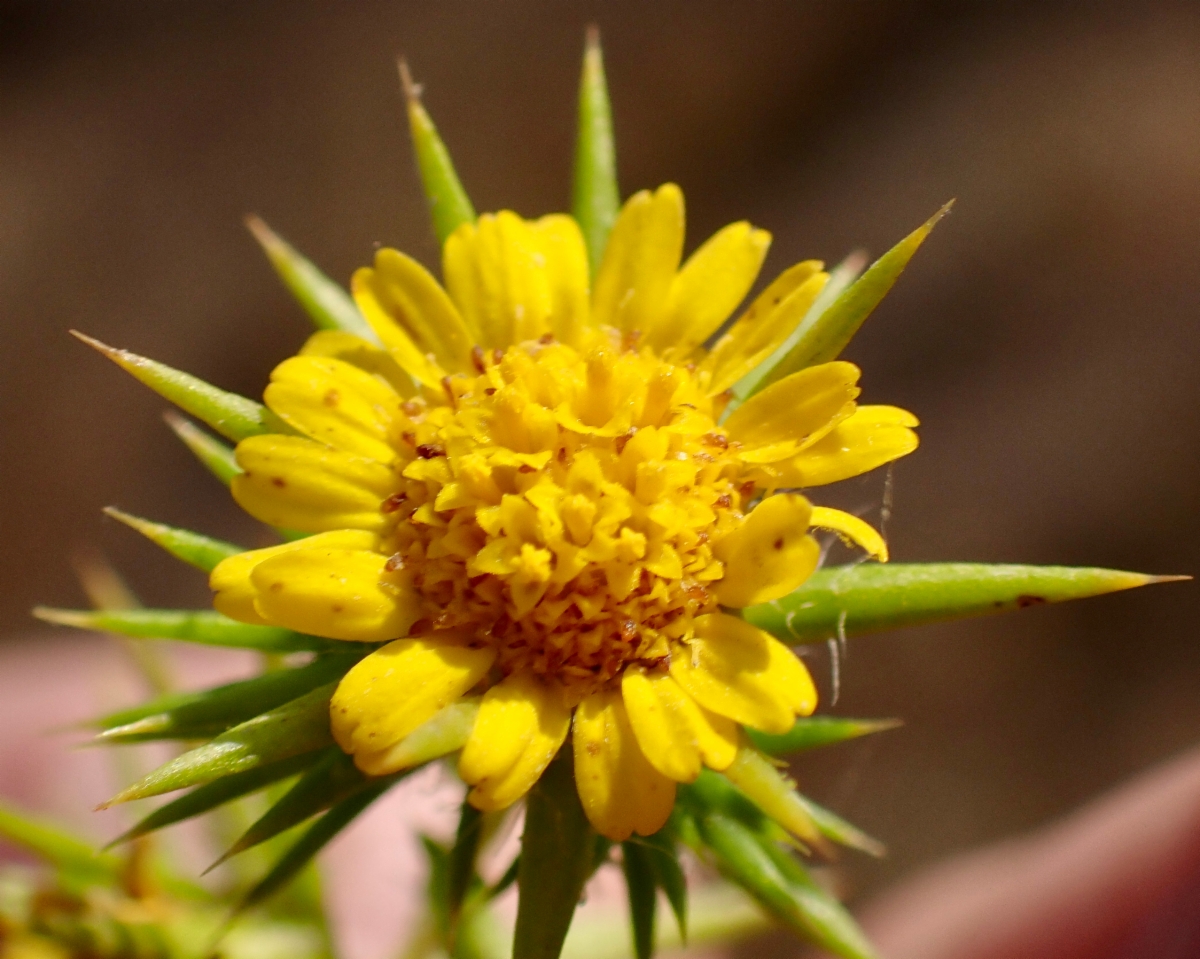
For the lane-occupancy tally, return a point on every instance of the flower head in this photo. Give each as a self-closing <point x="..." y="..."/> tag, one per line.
<point x="535" y="488"/>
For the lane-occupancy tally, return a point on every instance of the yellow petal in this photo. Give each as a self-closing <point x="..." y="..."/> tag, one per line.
<point x="643" y="252"/>
<point x="340" y="345"/>
<point x="737" y="670"/>
<point x="415" y="302"/>
<point x="338" y="593"/>
<point x="865" y="440"/>
<point x="230" y="580"/>
<point x="446" y="732"/>
<point x="495" y="271"/>
<point x="852" y="530"/>
<point x="294" y="482"/>
<point x="769" y="554"/>
<point x="371" y="295"/>
<point x="522" y="723"/>
<point x="798" y="407"/>
<point x="674" y="732"/>
<point x="566" y="273"/>
<point x="762" y="329"/>
<point x="336" y="403"/>
<point x="713" y="281"/>
<point x="620" y="791"/>
<point x="398" y="688"/>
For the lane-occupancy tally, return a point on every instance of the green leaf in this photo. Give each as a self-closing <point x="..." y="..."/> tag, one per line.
<point x="782" y="886"/>
<point x="299" y="726"/>
<point x="869" y="597"/>
<point x="509" y="877"/>
<point x="437" y="889"/>
<point x="643" y="897"/>
<point x="813" y="732"/>
<point x="331" y="779"/>
<point x="759" y="779"/>
<point x="233" y="416"/>
<point x="668" y="874"/>
<point x="557" y="852"/>
<point x="821" y="337"/>
<point x="461" y="875"/>
<point x="448" y="201"/>
<point x="204" y="626"/>
<point x="211" y="795"/>
<point x="312" y="842"/>
<point x="200" y="551"/>
<point x="177" y="715"/>
<point x="840" y="278"/>
<point x="595" y="201"/>
<point x="327" y="303"/>
<point x="74" y="856"/>
<point x="837" y="829"/>
<point x="213" y="455"/>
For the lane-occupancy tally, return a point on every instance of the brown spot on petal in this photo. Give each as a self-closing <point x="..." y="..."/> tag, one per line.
<point x="393" y="502"/>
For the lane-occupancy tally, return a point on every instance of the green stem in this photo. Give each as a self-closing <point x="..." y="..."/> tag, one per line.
<point x="556" y="860"/>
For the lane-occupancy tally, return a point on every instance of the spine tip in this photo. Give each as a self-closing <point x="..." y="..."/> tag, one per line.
<point x="412" y="91"/>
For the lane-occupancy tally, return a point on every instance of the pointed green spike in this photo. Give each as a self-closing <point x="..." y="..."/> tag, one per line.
<point x="756" y="776"/>
<point x="54" y="845"/>
<point x="782" y="886"/>
<point x="232" y="703"/>
<point x="836" y="829"/>
<point x="840" y="278"/>
<point x="557" y="853"/>
<point x="326" y="302"/>
<point x="643" y="897"/>
<point x="448" y="201"/>
<point x="204" y="798"/>
<point x="299" y="726"/>
<point x="851" y="600"/>
<point x="312" y="842"/>
<point x="668" y="874"/>
<point x="233" y="416"/>
<point x="821" y="337"/>
<point x="595" y="200"/>
<point x="200" y="551"/>
<point x="813" y="732"/>
<point x="213" y="455"/>
<point x="204" y="626"/>
<point x="327" y="782"/>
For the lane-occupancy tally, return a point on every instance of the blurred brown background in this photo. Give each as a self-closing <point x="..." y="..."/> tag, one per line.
<point x="1047" y="333"/>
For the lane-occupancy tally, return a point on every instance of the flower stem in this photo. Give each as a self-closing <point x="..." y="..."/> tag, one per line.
<point x="556" y="860"/>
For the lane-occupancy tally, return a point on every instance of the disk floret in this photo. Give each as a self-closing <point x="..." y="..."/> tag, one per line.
<point x="562" y="506"/>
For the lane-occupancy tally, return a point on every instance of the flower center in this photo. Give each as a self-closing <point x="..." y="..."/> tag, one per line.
<point x="561" y="505"/>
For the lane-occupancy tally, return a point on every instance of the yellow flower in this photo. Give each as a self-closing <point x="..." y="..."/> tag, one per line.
<point x="531" y="492"/>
